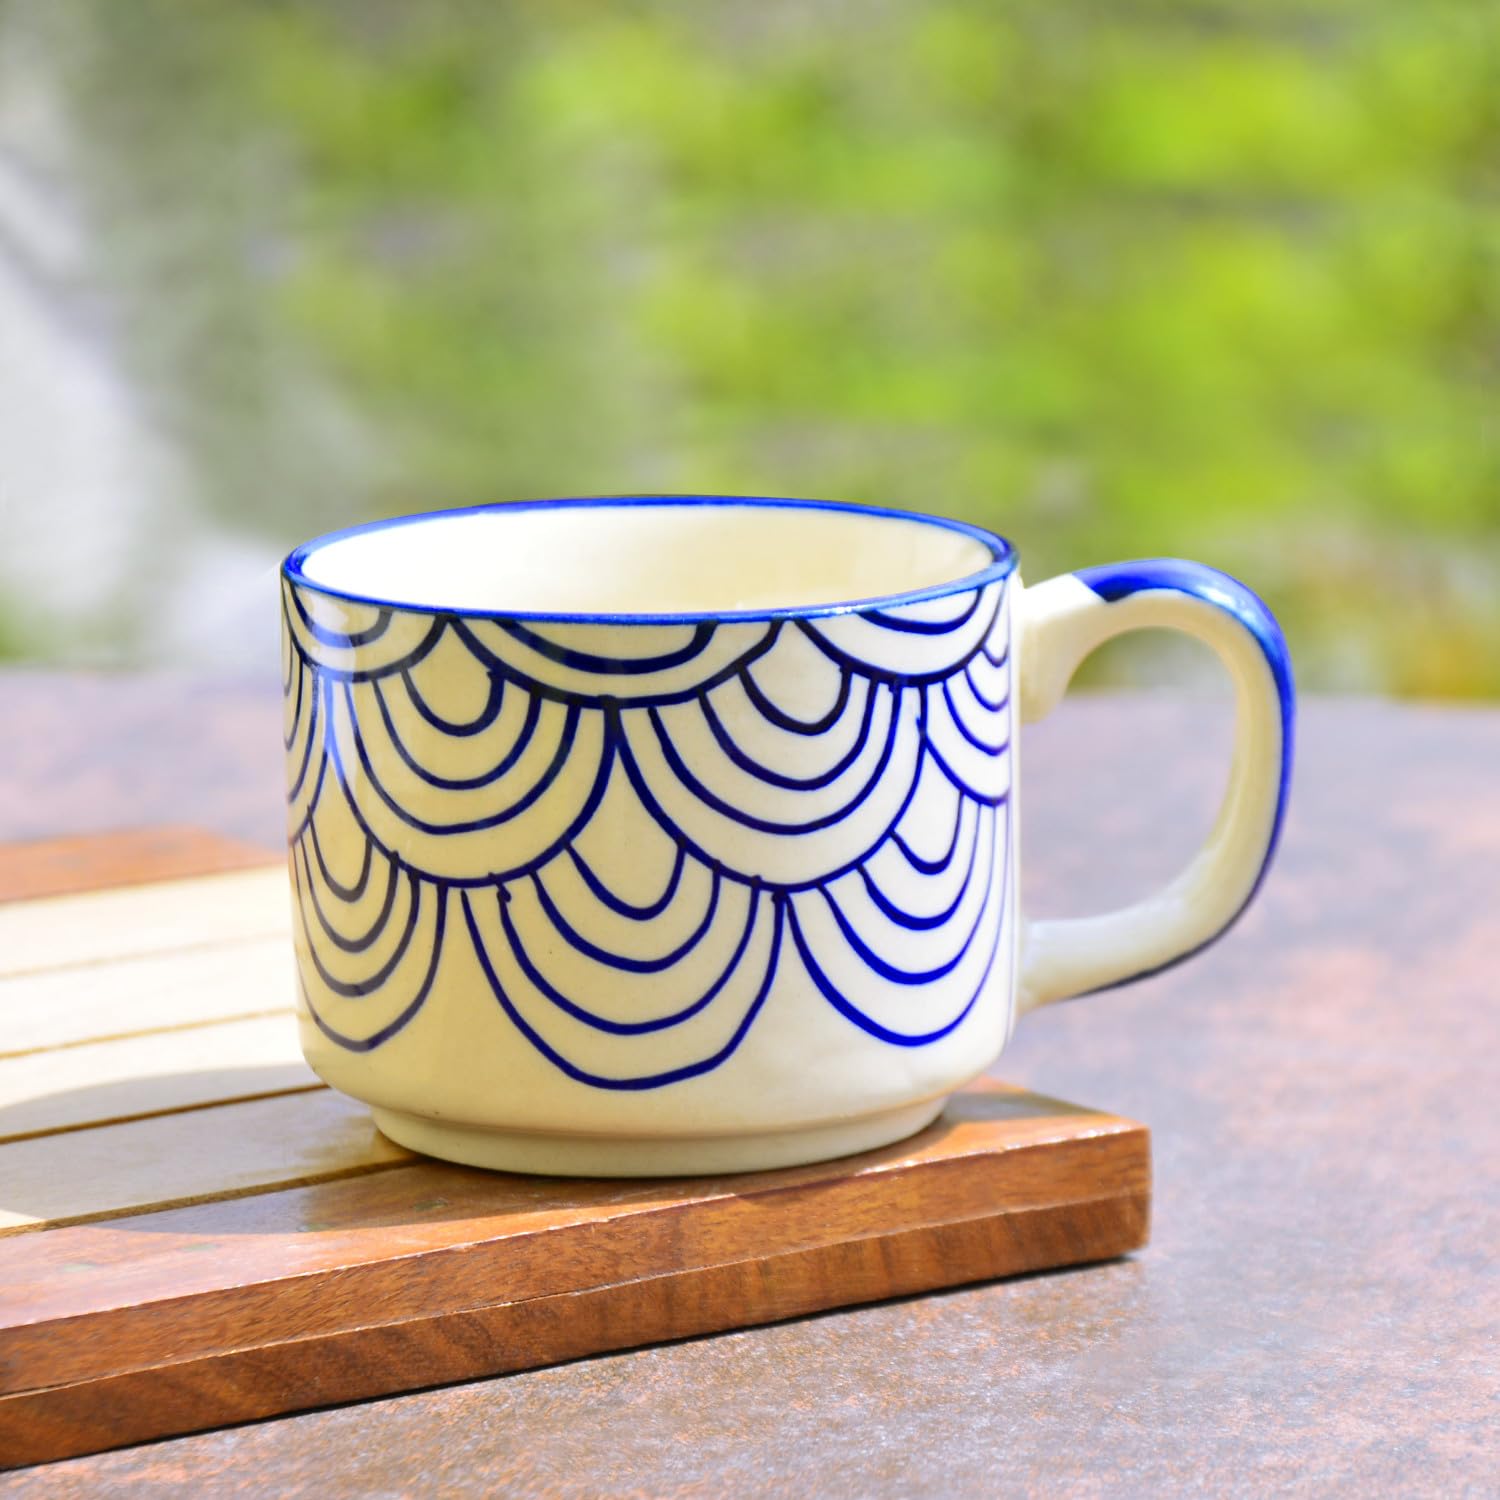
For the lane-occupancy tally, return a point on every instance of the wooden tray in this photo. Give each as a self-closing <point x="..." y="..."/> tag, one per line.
<point x="194" y="1231"/>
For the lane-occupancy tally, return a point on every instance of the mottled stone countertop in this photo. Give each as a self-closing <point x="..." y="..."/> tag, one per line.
<point x="1319" y="1309"/>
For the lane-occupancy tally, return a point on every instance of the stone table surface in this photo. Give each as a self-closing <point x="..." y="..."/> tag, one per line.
<point x="1319" y="1309"/>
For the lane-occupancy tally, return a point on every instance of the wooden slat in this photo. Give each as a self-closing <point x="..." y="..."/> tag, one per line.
<point x="431" y="1273"/>
<point x="144" y="1075"/>
<point x="166" y="917"/>
<point x="132" y="856"/>
<point x="186" y="1157"/>
<point x="64" y="1007"/>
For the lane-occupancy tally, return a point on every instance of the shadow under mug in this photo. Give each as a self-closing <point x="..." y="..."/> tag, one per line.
<point x="674" y="834"/>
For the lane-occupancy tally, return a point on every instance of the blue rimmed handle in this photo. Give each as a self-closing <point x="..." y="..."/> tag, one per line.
<point x="1062" y="621"/>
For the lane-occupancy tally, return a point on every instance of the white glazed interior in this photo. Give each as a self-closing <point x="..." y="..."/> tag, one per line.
<point x="644" y="559"/>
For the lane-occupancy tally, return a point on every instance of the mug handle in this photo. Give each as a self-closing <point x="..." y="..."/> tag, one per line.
<point x="1062" y="621"/>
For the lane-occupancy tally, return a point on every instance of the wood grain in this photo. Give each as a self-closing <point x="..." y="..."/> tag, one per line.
<point x="508" y="1336"/>
<point x="169" y="916"/>
<point x="189" y="1155"/>
<point x="434" y="1273"/>
<point x="279" y="1238"/>
<point x="154" y="992"/>
<point x="121" y="1079"/>
<point x="131" y="856"/>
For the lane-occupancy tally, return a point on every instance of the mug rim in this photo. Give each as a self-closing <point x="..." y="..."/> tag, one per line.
<point x="1003" y="555"/>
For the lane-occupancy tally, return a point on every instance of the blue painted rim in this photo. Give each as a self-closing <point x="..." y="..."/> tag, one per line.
<point x="1002" y="552"/>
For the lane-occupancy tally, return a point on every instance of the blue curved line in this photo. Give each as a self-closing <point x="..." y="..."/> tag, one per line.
<point x="386" y="1032"/>
<point x="312" y="729"/>
<point x="912" y="920"/>
<point x="585" y="814"/>
<point x="957" y="781"/>
<point x="615" y="666"/>
<point x="783" y="720"/>
<point x="475" y="825"/>
<point x="458" y="728"/>
<point x="372" y="934"/>
<point x="349" y="989"/>
<point x="615" y="743"/>
<point x="888" y="621"/>
<point x="286" y="692"/>
<point x="312" y="804"/>
<point x="418" y="653"/>
<point x="650" y="1081"/>
<point x="994" y="705"/>
<point x="850" y="663"/>
<point x="892" y="972"/>
<point x="927" y="866"/>
<point x="345" y="640"/>
<point x="965" y="731"/>
<point x="627" y="1028"/>
<point x="460" y="783"/>
<point x="510" y="673"/>
<point x="602" y="892"/>
<point x="343" y="892"/>
<point x="665" y="822"/>
<point x="696" y="788"/>
<point x="852" y="1012"/>
<point x="984" y="645"/>
<point x="776" y="778"/>
<point x="581" y="944"/>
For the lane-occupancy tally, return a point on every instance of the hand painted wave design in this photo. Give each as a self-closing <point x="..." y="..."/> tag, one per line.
<point x="636" y="848"/>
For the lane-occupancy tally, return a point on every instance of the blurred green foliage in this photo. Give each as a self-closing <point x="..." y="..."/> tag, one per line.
<point x="1118" y="277"/>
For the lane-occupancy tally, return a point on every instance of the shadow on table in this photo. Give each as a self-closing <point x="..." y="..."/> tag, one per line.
<point x="130" y="1100"/>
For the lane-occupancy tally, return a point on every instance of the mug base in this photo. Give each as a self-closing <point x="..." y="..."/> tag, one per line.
<point x="562" y="1155"/>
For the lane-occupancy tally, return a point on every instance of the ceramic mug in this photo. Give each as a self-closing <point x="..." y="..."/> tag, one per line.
<point x="664" y="834"/>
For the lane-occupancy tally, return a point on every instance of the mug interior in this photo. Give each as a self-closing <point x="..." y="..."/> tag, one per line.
<point x="649" y="556"/>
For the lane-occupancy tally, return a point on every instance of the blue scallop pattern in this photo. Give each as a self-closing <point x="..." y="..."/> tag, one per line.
<point x="636" y="851"/>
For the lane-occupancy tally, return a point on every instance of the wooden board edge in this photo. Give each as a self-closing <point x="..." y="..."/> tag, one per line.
<point x="270" y="1380"/>
<point x="109" y="1340"/>
<point x="129" y="856"/>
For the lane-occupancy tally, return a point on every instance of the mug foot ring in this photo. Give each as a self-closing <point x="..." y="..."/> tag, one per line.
<point x="567" y="1155"/>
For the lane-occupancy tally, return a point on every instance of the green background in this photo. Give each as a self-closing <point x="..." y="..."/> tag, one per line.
<point x="1120" y="279"/>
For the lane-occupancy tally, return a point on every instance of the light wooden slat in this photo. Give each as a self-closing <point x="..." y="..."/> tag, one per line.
<point x="168" y="915"/>
<point x="63" y="1007"/>
<point x="169" y="1160"/>
<point x="166" y="1070"/>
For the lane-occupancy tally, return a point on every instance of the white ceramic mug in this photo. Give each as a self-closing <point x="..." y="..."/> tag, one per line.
<point x="678" y="834"/>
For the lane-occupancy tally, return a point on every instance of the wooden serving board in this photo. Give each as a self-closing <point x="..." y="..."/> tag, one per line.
<point x="194" y="1231"/>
